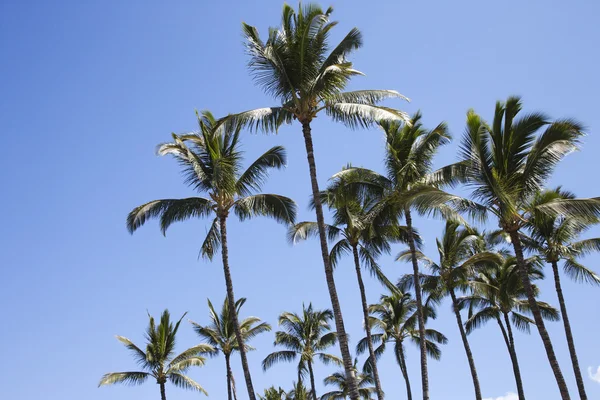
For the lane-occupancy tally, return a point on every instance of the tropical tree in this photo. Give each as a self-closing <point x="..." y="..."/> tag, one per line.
<point x="305" y="338"/>
<point x="296" y="66"/>
<point x="159" y="360"/>
<point x="498" y="295"/>
<point x="361" y="229"/>
<point x="212" y="162"/>
<point x="505" y="164"/>
<point x="394" y="319"/>
<point x="461" y="250"/>
<point x="273" y="393"/>
<point x="556" y="238"/>
<point x="221" y="335"/>
<point x="340" y="381"/>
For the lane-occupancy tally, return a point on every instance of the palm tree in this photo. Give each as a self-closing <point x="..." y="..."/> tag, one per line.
<point x="221" y="335"/>
<point x="364" y="232"/>
<point x="305" y="337"/>
<point x="273" y="393"/>
<point x="498" y="294"/>
<point x="295" y="66"/>
<point x="460" y="251"/>
<point x="211" y="160"/>
<point x="505" y="164"/>
<point x="395" y="319"/>
<point x="556" y="239"/>
<point x="159" y="360"/>
<point x="340" y="381"/>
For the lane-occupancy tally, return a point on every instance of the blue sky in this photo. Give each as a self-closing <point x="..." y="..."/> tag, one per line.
<point x="90" y="88"/>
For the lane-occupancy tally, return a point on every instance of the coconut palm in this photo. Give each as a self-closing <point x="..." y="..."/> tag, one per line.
<point x="340" y="381"/>
<point x="305" y="338"/>
<point x="505" y="164"/>
<point x="296" y="66"/>
<point x="461" y="250"/>
<point x="499" y="295"/>
<point x="273" y="393"/>
<point x="221" y="335"/>
<point x="394" y="319"/>
<point x="359" y="229"/>
<point x="557" y="239"/>
<point x="211" y="160"/>
<point x="159" y="360"/>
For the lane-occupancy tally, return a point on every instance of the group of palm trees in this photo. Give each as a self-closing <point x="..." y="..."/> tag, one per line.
<point x="504" y="165"/>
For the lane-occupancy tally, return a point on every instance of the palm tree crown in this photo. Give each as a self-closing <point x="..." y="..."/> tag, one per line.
<point x="339" y="379"/>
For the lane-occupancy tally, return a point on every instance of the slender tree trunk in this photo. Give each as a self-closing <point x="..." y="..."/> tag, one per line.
<point x="463" y="335"/>
<point x="402" y="362"/>
<point x="228" y="366"/>
<point x="510" y="343"/>
<point x="537" y="316"/>
<point x="163" y="395"/>
<point x="365" y="307"/>
<point x="421" y="318"/>
<point x="568" y="332"/>
<point x="335" y="303"/>
<point x="312" y="381"/>
<point x="233" y="387"/>
<point x="231" y="304"/>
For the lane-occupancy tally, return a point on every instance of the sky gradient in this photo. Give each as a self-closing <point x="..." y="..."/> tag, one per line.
<point x="90" y="88"/>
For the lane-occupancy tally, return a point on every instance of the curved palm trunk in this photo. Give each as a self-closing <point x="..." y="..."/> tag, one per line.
<point x="512" y="351"/>
<point x="402" y="362"/>
<point x="365" y="307"/>
<point x="463" y="336"/>
<point x="537" y="316"/>
<point x="231" y="304"/>
<point x="228" y="366"/>
<point x="335" y="303"/>
<point x="312" y="381"/>
<point x="568" y="333"/>
<point x="420" y="316"/>
<point x="163" y="395"/>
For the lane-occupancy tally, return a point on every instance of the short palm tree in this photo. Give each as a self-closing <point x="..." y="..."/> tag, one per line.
<point x="211" y="160"/>
<point x="221" y="335"/>
<point x="273" y="393"/>
<point x="305" y="338"/>
<point x="297" y="66"/>
<point x="339" y="379"/>
<point x="159" y="360"/>
<point x="498" y="295"/>
<point x="394" y="319"/>
<point x="505" y="164"/>
<point x="557" y="239"/>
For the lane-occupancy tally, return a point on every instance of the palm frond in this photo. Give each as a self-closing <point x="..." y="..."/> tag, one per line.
<point x="282" y="209"/>
<point x="185" y="382"/>
<point x="127" y="378"/>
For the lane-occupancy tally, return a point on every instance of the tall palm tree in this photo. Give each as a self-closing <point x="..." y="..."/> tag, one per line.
<point x="505" y="164"/>
<point x="159" y="360"/>
<point x="221" y="335"/>
<point x="360" y="229"/>
<point x="394" y="319"/>
<point x="460" y="251"/>
<point x="556" y="239"/>
<point x="340" y="381"/>
<point x="211" y="160"/>
<point x="305" y="337"/>
<point x="499" y="295"/>
<point x="296" y="66"/>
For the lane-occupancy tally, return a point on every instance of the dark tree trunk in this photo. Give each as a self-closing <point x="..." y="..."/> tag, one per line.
<point x="463" y="336"/>
<point x="228" y="366"/>
<point x="402" y="362"/>
<point x="365" y="307"/>
<point x="537" y="316"/>
<point x="568" y="333"/>
<point x="312" y="381"/>
<point x="231" y="304"/>
<point x="418" y="297"/>
<point x="163" y="395"/>
<point x="335" y="303"/>
<point x="512" y="351"/>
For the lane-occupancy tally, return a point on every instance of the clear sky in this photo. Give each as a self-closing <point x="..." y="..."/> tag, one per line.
<point x="89" y="88"/>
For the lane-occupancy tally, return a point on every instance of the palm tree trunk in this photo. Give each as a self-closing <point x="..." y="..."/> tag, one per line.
<point x="233" y="387"/>
<point x="421" y="318"/>
<point x="365" y="307"/>
<point x="463" y="335"/>
<point x="568" y="332"/>
<point x="312" y="381"/>
<point x="163" y="395"/>
<point x="512" y="351"/>
<point x="228" y="366"/>
<point x="335" y="303"/>
<point x="402" y="362"/>
<point x="537" y="316"/>
<point x="231" y="304"/>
